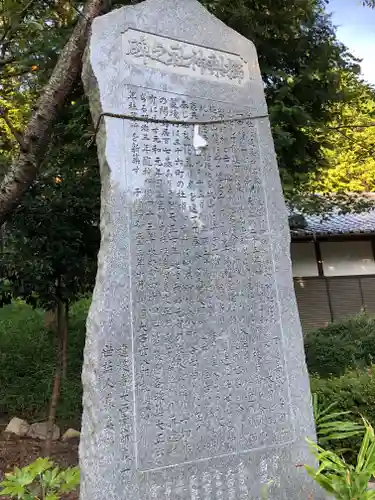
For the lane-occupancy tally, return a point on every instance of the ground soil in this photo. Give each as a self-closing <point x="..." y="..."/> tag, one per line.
<point x="18" y="452"/>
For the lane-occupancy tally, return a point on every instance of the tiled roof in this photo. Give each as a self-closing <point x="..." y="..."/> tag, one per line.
<point x="340" y="224"/>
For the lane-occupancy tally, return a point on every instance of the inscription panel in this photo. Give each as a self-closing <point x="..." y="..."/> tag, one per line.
<point x="209" y="370"/>
<point x="173" y="56"/>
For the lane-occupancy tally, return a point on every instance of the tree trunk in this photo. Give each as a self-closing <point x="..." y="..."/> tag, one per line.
<point x="37" y="133"/>
<point x="50" y="320"/>
<point x="57" y="378"/>
<point x="65" y="341"/>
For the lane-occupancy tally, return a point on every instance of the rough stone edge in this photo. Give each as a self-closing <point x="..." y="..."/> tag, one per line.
<point x="88" y="442"/>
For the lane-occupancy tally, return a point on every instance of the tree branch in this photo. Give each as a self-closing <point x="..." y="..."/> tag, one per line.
<point x="16" y="133"/>
<point x="37" y="133"/>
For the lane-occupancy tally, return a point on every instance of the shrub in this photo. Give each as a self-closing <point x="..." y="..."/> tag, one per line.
<point x="354" y="392"/>
<point x="341" y="346"/>
<point x="27" y="362"/>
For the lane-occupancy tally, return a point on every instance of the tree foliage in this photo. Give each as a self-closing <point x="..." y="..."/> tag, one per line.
<point x="31" y="34"/>
<point x="35" y="137"/>
<point x="350" y="153"/>
<point x="303" y="66"/>
<point x="52" y="239"/>
<point x="50" y="244"/>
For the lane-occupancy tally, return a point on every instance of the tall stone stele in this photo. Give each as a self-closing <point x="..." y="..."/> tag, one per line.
<point x="195" y="384"/>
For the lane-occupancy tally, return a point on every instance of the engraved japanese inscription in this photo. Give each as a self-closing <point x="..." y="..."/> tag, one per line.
<point x="191" y="241"/>
<point x="165" y="54"/>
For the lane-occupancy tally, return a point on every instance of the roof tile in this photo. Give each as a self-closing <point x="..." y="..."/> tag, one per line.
<point x="351" y="223"/>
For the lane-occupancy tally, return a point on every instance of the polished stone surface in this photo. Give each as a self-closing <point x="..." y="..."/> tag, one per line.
<point x="195" y="384"/>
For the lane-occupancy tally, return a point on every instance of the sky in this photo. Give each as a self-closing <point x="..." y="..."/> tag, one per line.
<point x="356" y="29"/>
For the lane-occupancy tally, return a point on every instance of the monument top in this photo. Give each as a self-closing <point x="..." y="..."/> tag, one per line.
<point x="177" y="46"/>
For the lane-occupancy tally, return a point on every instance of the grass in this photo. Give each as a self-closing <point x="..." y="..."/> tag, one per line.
<point x="27" y="363"/>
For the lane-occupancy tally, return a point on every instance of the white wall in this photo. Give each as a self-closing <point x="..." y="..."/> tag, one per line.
<point x="303" y="259"/>
<point x="347" y="258"/>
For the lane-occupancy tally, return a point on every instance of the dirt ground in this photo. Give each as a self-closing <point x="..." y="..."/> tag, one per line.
<point x="18" y="452"/>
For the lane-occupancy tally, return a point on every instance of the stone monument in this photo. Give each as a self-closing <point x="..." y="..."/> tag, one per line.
<point x="195" y="384"/>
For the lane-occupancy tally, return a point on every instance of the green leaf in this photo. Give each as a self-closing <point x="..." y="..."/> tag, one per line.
<point x="52" y="496"/>
<point x="8" y="490"/>
<point x="331" y="416"/>
<point x="40" y="465"/>
<point x="71" y="478"/>
<point x="340" y="479"/>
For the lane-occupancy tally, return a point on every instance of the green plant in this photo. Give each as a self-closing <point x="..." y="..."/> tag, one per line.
<point x="340" y="479"/>
<point x="27" y="354"/>
<point x="40" y="480"/>
<point x="331" y="425"/>
<point x="354" y="392"/>
<point x="339" y="347"/>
